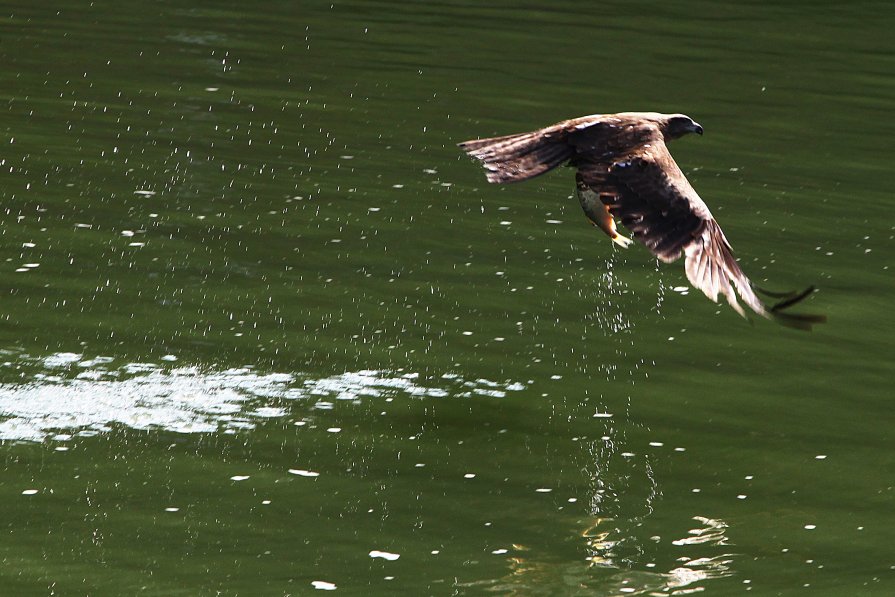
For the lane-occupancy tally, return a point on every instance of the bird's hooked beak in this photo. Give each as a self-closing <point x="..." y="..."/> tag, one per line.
<point x="696" y="128"/>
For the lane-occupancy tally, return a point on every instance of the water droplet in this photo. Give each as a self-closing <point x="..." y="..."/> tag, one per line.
<point x="391" y="557"/>
<point x="303" y="473"/>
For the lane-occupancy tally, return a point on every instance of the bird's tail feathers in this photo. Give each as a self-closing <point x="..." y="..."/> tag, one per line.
<point x="514" y="158"/>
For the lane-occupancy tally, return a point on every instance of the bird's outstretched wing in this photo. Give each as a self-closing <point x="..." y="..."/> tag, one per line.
<point x="514" y="158"/>
<point x="651" y="196"/>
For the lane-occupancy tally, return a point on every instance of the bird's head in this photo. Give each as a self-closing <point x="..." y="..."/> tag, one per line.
<point x="678" y="125"/>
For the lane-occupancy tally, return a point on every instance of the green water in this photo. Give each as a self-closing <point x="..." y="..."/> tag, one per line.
<point x="264" y="329"/>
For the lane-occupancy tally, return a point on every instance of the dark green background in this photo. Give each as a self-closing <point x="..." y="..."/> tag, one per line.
<point x="258" y="249"/>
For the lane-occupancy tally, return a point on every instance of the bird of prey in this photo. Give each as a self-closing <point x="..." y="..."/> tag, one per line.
<point x="624" y="170"/>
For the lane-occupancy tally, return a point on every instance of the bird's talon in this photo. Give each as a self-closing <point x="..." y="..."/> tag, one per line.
<point x="623" y="241"/>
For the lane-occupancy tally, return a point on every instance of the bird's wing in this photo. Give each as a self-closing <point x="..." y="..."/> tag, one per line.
<point x="513" y="158"/>
<point x="656" y="202"/>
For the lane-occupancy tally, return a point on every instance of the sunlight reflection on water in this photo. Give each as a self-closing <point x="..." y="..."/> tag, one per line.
<point x="69" y="394"/>
<point x="607" y="572"/>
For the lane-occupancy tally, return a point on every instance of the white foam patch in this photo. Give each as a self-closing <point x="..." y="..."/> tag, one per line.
<point x="70" y="394"/>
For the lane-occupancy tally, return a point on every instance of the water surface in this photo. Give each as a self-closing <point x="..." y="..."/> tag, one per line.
<point x="265" y="330"/>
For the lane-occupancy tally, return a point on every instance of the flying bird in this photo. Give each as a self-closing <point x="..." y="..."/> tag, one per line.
<point x="624" y="170"/>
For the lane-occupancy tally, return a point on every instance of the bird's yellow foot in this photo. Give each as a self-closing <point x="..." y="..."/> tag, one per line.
<point x="623" y="241"/>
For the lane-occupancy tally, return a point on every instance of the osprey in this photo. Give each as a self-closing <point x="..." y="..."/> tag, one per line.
<point x="624" y="170"/>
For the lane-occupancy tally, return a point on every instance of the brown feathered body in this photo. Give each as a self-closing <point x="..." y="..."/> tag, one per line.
<point x="625" y="171"/>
